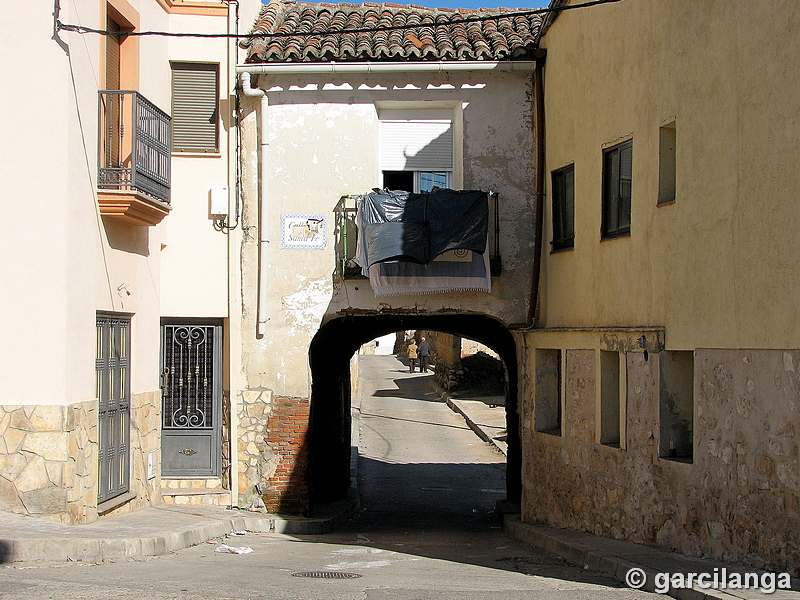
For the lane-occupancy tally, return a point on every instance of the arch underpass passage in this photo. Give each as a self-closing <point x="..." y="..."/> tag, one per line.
<point x="333" y="346"/>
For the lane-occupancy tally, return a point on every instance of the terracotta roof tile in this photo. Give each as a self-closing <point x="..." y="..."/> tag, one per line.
<point x="436" y="33"/>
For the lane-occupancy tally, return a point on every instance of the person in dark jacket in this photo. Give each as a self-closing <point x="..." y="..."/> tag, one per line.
<point x="424" y="351"/>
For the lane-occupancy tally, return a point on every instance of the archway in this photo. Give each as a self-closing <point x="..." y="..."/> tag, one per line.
<point x="329" y="355"/>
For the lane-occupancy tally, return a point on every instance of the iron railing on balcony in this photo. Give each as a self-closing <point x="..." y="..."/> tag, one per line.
<point x="346" y="234"/>
<point x="134" y="145"/>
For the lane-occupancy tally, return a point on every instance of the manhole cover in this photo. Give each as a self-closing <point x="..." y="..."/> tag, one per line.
<point x="326" y="574"/>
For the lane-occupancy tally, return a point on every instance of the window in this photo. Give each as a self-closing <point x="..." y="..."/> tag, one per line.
<point x="666" y="164"/>
<point x="415" y="181"/>
<point x="416" y="149"/>
<point x="612" y="408"/>
<point x="676" y="405"/>
<point x="121" y="52"/>
<point x="617" y="172"/>
<point x="563" y="208"/>
<point x="548" y="392"/>
<point x="113" y="52"/>
<point x="195" y="107"/>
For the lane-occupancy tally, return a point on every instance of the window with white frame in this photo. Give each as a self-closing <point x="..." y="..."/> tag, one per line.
<point x="416" y="149"/>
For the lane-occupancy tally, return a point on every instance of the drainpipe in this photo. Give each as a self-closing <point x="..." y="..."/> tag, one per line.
<point x="234" y="337"/>
<point x="539" y="142"/>
<point x="248" y="90"/>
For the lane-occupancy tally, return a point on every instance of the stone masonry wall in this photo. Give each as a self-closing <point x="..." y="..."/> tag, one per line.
<point x="257" y="462"/>
<point x="48" y="458"/>
<point x="737" y="500"/>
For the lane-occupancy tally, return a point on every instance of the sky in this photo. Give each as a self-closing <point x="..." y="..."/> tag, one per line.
<point x="466" y="3"/>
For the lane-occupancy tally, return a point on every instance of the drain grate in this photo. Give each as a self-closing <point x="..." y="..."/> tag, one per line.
<point x="326" y="574"/>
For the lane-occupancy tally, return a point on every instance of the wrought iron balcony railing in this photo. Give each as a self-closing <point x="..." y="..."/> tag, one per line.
<point x="134" y="145"/>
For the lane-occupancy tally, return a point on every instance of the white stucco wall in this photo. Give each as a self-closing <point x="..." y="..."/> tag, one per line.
<point x="72" y="262"/>
<point x="323" y="144"/>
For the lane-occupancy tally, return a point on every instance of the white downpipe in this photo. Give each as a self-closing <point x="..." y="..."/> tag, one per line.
<point x="441" y="66"/>
<point x="263" y="147"/>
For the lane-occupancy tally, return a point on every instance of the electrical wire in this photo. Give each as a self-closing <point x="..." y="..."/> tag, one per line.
<point x="250" y="36"/>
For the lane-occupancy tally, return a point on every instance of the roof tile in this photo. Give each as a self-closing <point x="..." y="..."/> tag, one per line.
<point x="436" y="33"/>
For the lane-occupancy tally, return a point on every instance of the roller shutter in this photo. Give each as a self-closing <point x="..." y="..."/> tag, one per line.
<point x="195" y="114"/>
<point x="424" y="145"/>
<point x="112" y="56"/>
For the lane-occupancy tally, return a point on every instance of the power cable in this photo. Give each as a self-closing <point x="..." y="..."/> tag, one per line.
<point x="525" y="13"/>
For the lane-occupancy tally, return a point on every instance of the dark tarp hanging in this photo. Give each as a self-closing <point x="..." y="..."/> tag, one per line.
<point x="404" y="227"/>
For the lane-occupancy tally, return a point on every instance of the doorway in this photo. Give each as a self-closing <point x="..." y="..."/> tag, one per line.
<point x="191" y="396"/>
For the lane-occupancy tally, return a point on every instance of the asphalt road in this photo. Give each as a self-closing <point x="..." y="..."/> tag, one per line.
<point x="426" y="530"/>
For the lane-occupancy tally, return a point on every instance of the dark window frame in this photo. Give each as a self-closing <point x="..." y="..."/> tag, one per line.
<point x="617" y="191"/>
<point x="563" y="204"/>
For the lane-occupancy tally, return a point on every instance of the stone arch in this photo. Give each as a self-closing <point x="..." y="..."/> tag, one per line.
<point x="329" y="357"/>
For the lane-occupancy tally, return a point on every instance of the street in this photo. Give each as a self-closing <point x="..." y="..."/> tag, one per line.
<point x="426" y="529"/>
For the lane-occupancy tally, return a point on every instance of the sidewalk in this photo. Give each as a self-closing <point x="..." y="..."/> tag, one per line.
<point x="148" y="532"/>
<point x="165" y="529"/>
<point x="485" y="415"/>
<point x="615" y="558"/>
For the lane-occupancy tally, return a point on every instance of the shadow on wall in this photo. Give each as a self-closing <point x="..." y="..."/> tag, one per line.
<point x="6" y="553"/>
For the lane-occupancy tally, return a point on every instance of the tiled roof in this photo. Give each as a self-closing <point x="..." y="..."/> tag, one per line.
<point x="437" y="33"/>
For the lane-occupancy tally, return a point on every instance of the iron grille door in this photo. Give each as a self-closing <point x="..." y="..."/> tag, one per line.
<point x="191" y="388"/>
<point x="113" y="391"/>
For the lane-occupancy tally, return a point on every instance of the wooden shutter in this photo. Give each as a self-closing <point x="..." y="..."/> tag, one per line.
<point x="425" y="145"/>
<point x="195" y="114"/>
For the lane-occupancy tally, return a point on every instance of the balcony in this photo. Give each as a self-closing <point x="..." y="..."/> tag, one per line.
<point x="346" y="236"/>
<point x="133" y="178"/>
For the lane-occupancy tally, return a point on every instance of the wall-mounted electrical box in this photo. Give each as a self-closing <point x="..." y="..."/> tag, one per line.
<point x="151" y="464"/>
<point x="219" y="201"/>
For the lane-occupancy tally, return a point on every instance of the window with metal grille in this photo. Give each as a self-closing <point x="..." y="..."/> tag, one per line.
<point x="195" y="107"/>
<point x="189" y="376"/>
<point x="112" y="367"/>
<point x="563" y="208"/>
<point x="617" y="177"/>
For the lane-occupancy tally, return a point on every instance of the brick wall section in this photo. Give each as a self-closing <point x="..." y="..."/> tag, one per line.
<point x="287" y="437"/>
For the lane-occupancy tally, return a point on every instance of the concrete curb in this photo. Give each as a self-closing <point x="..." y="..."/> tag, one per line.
<point x="615" y="558"/>
<point x="456" y="408"/>
<point x="105" y="547"/>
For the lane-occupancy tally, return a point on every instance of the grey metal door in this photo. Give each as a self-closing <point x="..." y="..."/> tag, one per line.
<point x="112" y="367"/>
<point x="191" y="387"/>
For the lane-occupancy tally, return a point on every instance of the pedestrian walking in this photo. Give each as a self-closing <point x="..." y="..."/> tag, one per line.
<point x="412" y="355"/>
<point x="424" y="351"/>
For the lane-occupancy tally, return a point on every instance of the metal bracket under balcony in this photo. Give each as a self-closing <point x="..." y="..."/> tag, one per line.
<point x="133" y="158"/>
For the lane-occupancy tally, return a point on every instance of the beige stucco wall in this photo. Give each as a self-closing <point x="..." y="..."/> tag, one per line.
<point x="323" y="144"/>
<point x="719" y="265"/>
<point x="70" y="262"/>
<point x="75" y="262"/>
<point x="714" y="273"/>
